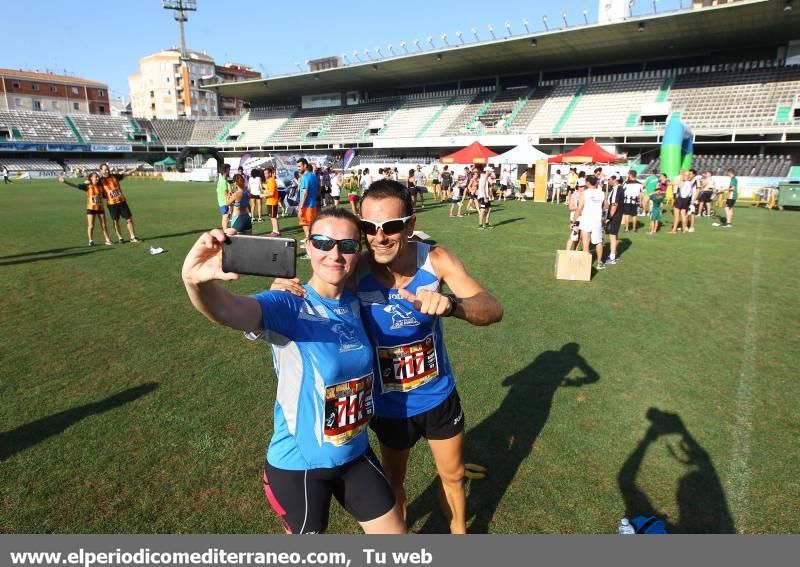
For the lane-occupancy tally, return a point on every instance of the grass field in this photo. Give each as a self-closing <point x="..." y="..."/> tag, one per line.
<point x="667" y="384"/>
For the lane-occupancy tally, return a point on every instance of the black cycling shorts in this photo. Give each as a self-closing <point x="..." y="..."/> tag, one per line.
<point x="445" y="421"/>
<point x="485" y="203"/>
<point x="630" y="209"/>
<point x="120" y="210"/>
<point x="302" y="499"/>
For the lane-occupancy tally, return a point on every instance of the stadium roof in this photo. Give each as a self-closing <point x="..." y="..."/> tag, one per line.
<point x="745" y="24"/>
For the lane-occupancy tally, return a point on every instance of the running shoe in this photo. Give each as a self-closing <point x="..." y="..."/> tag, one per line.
<point x="727" y="226"/>
<point x="481" y="227"/>
<point x="601" y="266"/>
<point x="611" y="262"/>
<point x="716" y="224"/>
<point x="121" y="240"/>
<point x="109" y="243"/>
<point x="134" y="239"/>
<point x="690" y="230"/>
<point x="489" y="226"/>
<point x="91" y="243"/>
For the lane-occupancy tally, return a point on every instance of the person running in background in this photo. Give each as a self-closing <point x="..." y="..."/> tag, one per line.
<point x="254" y="185"/>
<point x="657" y="199"/>
<point x="239" y="201"/>
<point x="222" y="193"/>
<point x="447" y="184"/>
<point x="616" y="201"/>
<point x="326" y="377"/>
<point x="730" y="199"/>
<point x="4" y="169"/>
<point x="272" y="199"/>
<point x="590" y="213"/>
<point x="633" y="195"/>
<point x="117" y="203"/>
<point x="309" y="195"/>
<point x="94" y="204"/>
<point x="484" y="198"/>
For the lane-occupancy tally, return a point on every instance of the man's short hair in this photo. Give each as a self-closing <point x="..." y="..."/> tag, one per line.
<point x="225" y="167"/>
<point x="693" y="171"/>
<point x="730" y="170"/>
<point x="613" y="177"/>
<point x="388" y="189"/>
<point x="591" y="180"/>
<point x="632" y="173"/>
<point x="304" y="161"/>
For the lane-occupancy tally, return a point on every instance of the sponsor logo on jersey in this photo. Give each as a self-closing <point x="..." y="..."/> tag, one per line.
<point x="347" y="338"/>
<point x="400" y="317"/>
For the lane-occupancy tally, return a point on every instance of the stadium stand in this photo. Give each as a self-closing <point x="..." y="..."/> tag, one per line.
<point x="353" y="121"/>
<point x="464" y="123"/>
<point x="173" y="132"/>
<point x="15" y="164"/>
<point x="36" y="127"/>
<point x="257" y="125"/>
<point x="743" y="165"/>
<point x="452" y="108"/>
<point x="553" y="109"/>
<point x="207" y="131"/>
<point x="297" y="128"/>
<point x="413" y="114"/>
<point x="103" y="129"/>
<point x="113" y="163"/>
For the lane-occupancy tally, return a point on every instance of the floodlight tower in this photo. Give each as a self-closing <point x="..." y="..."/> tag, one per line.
<point x="180" y="7"/>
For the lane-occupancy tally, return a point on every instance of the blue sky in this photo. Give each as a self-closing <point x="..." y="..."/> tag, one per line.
<point x="104" y="39"/>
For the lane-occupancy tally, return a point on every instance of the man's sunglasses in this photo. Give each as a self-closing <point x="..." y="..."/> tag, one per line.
<point x="326" y="244"/>
<point x="389" y="227"/>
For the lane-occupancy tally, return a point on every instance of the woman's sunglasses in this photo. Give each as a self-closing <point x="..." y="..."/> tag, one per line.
<point x="389" y="227"/>
<point x="326" y="244"/>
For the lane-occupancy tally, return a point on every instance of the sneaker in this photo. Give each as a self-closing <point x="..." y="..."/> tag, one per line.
<point x="253" y="335"/>
<point x="489" y="226"/>
<point x="716" y="224"/>
<point x="121" y="240"/>
<point x="611" y="262"/>
<point x="727" y="226"/>
<point x="601" y="266"/>
<point x="650" y="233"/>
<point x="690" y="230"/>
<point x="109" y="243"/>
<point x="481" y="227"/>
<point x="134" y="239"/>
<point x="91" y="243"/>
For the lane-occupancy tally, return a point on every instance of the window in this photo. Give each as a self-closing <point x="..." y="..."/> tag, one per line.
<point x="34" y="86"/>
<point x="18" y="101"/>
<point x="102" y="109"/>
<point x="37" y="104"/>
<point x="76" y="106"/>
<point x="74" y="90"/>
<point x="53" y="89"/>
<point x="55" y="104"/>
<point x="152" y="94"/>
<point x="15" y="84"/>
<point x="101" y="92"/>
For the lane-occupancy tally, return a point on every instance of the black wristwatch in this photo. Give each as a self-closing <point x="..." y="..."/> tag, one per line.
<point x="454" y="302"/>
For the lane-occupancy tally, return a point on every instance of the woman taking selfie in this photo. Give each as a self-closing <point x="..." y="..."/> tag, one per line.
<point x="324" y="363"/>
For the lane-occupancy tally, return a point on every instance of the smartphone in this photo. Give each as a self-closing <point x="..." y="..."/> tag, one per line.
<point x="260" y="256"/>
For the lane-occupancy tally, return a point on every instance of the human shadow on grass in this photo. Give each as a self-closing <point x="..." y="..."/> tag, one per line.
<point x="702" y="506"/>
<point x="39" y="252"/>
<point x="503" y="441"/>
<point x="43" y="258"/>
<point x="28" y="435"/>
<point x="622" y="246"/>
<point x="507" y="221"/>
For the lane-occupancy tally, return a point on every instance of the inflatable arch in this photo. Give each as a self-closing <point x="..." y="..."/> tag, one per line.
<point x="201" y="150"/>
<point x="677" y="149"/>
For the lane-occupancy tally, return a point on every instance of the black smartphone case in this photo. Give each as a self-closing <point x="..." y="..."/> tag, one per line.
<point x="260" y="256"/>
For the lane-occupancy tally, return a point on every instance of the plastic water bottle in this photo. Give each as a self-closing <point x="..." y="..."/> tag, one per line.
<point x="625" y="527"/>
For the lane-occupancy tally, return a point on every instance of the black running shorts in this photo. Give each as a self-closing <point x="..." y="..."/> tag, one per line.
<point x="302" y="499"/>
<point x="120" y="210"/>
<point x="445" y="421"/>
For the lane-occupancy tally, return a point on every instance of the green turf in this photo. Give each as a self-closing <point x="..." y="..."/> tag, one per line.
<point x="124" y="410"/>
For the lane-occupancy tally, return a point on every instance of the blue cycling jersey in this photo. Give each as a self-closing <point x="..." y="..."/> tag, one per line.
<point x="325" y="370"/>
<point x="414" y="370"/>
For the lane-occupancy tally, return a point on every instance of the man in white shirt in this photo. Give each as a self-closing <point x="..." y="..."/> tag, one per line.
<point x="555" y="182"/>
<point x="630" y="207"/>
<point x="590" y="213"/>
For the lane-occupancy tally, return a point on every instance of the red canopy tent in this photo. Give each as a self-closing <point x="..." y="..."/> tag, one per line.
<point x="588" y="152"/>
<point x="474" y="153"/>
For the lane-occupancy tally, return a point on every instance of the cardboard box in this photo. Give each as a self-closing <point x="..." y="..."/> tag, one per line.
<point x="573" y="265"/>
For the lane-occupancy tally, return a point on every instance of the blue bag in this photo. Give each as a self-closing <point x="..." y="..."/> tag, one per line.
<point x="649" y="525"/>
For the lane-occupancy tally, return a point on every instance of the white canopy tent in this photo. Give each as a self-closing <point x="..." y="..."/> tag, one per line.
<point x="522" y="154"/>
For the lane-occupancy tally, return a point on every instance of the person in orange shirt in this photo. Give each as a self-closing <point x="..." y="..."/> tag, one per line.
<point x="271" y="199"/>
<point x="117" y="204"/>
<point x="94" y="204"/>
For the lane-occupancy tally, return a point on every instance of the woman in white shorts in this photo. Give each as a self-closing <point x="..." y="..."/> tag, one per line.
<point x="254" y="185"/>
<point x="336" y="187"/>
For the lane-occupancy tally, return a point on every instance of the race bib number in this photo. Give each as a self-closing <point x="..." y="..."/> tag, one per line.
<point x="348" y="409"/>
<point x="114" y="194"/>
<point x="407" y="367"/>
<point x="96" y="200"/>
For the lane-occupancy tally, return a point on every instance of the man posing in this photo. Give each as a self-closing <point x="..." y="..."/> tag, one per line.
<point x="590" y="213"/>
<point x="117" y="203"/>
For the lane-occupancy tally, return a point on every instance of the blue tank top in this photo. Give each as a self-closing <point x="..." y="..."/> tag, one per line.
<point x="244" y="204"/>
<point x="325" y="370"/>
<point x="414" y="373"/>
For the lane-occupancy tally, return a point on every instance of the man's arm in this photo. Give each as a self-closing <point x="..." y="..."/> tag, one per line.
<point x="476" y="305"/>
<point x="303" y="188"/>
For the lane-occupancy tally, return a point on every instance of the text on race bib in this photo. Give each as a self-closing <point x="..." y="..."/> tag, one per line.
<point x="348" y="409"/>
<point x="407" y="367"/>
